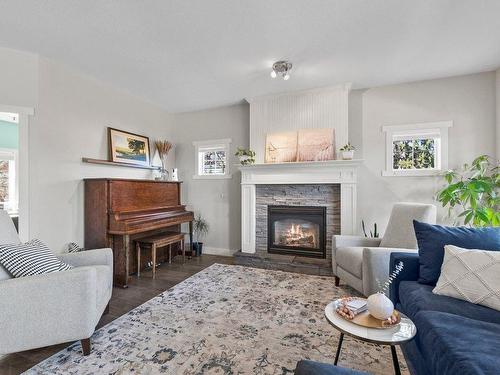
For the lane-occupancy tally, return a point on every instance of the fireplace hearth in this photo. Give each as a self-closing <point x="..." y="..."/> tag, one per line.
<point x="297" y="230"/>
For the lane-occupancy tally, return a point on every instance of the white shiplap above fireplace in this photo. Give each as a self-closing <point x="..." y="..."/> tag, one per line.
<point x="318" y="108"/>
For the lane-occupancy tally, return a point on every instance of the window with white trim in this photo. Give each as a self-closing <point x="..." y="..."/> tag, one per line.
<point x="8" y="180"/>
<point x="212" y="159"/>
<point x="416" y="149"/>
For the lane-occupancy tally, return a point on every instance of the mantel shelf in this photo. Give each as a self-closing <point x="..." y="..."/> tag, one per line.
<point x="107" y="162"/>
<point x="327" y="163"/>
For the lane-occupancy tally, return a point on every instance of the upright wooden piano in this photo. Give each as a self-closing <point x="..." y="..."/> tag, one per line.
<point x="119" y="210"/>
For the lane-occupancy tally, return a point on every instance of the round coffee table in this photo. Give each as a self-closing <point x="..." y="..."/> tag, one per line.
<point x="403" y="332"/>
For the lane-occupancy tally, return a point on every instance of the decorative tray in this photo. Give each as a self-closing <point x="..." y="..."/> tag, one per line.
<point x="364" y="318"/>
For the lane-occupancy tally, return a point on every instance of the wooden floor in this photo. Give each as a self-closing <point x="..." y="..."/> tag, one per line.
<point x="123" y="300"/>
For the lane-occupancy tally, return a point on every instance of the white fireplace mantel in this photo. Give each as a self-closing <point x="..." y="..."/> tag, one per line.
<point x="343" y="172"/>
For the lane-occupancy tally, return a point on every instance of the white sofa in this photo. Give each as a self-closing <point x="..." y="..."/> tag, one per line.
<point x="54" y="308"/>
<point x="361" y="261"/>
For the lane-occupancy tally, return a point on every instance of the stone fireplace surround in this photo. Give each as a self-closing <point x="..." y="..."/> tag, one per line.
<point x="324" y="195"/>
<point x="261" y="181"/>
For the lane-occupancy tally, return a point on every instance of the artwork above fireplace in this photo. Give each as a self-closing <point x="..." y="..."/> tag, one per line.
<point x="297" y="230"/>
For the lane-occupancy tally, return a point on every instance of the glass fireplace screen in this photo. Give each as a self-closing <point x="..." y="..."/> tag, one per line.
<point x="298" y="230"/>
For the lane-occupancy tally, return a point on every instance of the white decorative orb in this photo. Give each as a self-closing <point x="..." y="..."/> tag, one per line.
<point x="379" y="306"/>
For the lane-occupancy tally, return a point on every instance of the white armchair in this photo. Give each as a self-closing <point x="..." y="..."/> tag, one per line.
<point x="361" y="261"/>
<point x="49" y="309"/>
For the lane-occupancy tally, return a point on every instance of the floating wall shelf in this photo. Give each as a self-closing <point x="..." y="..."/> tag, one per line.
<point x="107" y="162"/>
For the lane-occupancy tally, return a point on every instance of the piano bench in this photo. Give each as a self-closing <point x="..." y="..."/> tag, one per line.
<point x="155" y="242"/>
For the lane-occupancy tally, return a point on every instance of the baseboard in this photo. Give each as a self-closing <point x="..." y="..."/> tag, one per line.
<point x="218" y="251"/>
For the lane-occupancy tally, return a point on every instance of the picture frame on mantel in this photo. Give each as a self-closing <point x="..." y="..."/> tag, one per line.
<point x="128" y="148"/>
<point x="281" y="147"/>
<point x="316" y="144"/>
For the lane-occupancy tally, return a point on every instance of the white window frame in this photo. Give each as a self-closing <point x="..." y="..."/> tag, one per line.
<point x="408" y="131"/>
<point x="214" y="144"/>
<point x="12" y="206"/>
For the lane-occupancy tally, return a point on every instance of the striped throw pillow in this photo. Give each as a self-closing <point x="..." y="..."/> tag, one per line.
<point x="30" y="258"/>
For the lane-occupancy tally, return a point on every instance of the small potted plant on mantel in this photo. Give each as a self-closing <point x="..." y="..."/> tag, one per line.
<point x="246" y="156"/>
<point x="347" y="151"/>
<point x="200" y="230"/>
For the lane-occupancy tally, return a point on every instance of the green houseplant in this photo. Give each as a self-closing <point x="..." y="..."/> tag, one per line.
<point x="347" y="151"/>
<point x="374" y="233"/>
<point x="472" y="195"/>
<point x="200" y="230"/>
<point x="246" y="156"/>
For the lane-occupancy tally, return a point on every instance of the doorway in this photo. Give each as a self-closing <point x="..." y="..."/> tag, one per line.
<point x="14" y="166"/>
<point x="9" y="164"/>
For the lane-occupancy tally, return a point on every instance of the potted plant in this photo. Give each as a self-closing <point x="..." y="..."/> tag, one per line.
<point x="163" y="147"/>
<point x="200" y="229"/>
<point x="246" y="156"/>
<point x="347" y="151"/>
<point x="473" y="195"/>
<point x="373" y="234"/>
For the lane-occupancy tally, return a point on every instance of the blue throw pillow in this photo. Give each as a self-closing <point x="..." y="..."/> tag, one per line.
<point x="431" y="240"/>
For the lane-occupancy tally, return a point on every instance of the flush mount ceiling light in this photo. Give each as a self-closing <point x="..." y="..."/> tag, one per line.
<point x="282" y="69"/>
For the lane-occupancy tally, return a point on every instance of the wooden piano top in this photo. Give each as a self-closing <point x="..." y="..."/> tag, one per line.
<point x="131" y="179"/>
<point x="121" y="194"/>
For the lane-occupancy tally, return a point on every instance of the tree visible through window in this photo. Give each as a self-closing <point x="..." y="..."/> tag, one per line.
<point x="4" y="181"/>
<point x="8" y="184"/>
<point x="414" y="154"/>
<point x="419" y="149"/>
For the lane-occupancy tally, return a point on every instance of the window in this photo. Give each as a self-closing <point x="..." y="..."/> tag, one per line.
<point x="8" y="180"/>
<point x="212" y="159"/>
<point x="416" y="149"/>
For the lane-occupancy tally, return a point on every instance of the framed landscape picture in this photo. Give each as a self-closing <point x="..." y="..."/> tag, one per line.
<point x="128" y="148"/>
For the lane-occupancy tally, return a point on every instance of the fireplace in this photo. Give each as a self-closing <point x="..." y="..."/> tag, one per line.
<point x="296" y="230"/>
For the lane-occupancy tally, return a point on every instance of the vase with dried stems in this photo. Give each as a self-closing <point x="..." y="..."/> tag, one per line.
<point x="163" y="147"/>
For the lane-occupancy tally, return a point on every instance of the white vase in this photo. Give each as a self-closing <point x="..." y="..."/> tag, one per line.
<point x="347" y="155"/>
<point x="379" y="306"/>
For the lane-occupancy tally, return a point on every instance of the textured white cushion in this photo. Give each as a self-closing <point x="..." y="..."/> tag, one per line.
<point x="470" y="275"/>
<point x="400" y="232"/>
<point x="350" y="258"/>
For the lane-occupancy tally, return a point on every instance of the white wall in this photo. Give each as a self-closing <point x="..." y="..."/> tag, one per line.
<point x="467" y="100"/>
<point x="217" y="200"/>
<point x="498" y="113"/>
<point x="18" y="78"/>
<point x="72" y="112"/>
<point x="71" y="119"/>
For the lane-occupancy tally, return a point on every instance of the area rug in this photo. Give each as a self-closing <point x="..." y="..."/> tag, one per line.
<point x="224" y="320"/>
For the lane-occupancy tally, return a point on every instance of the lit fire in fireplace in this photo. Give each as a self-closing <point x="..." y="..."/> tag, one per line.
<point x="298" y="235"/>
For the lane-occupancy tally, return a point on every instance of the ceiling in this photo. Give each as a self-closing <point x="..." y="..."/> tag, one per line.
<point x="194" y="54"/>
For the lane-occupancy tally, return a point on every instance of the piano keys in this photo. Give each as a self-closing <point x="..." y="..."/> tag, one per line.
<point x="119" y="210"/>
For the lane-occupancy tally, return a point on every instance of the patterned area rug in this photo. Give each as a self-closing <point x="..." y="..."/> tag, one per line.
<point x="224" y="320"/>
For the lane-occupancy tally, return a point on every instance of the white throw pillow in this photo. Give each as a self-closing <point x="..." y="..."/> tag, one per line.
<point x="470" y="275"/>
<point x="30" y="258"/>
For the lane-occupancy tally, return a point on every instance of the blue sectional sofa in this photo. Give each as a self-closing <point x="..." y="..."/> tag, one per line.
<point x="453" y="336"/>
